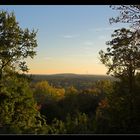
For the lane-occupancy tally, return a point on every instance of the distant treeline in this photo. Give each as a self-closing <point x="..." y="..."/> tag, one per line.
<point x="79" y="81"/>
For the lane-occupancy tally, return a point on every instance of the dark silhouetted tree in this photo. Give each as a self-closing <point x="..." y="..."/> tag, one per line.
<point x="128" y="14"/>
<point x="123" y="56"/>
<point x="122" y="59"/>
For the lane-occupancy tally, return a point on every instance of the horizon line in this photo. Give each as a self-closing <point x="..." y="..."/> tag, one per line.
<point x="66" y="73"/>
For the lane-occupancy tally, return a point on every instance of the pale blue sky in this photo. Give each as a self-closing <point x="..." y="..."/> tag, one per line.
<point x="69" y="36"/>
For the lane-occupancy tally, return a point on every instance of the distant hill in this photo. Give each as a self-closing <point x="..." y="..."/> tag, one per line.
<point x="80" y="81"/>
<point x="71" y="75"/>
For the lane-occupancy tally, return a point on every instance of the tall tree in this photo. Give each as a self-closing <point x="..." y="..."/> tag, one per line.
<point x="16" y="44"/>
<point x="123" y="56"/>
<point x="123" y="59"/>
<point x="18" y="110"/>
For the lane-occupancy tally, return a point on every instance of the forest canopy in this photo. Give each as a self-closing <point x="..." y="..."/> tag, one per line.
<point x="58" y="104"/>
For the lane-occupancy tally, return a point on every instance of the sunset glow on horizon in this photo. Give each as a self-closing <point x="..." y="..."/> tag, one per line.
<point x="69" y="37"/>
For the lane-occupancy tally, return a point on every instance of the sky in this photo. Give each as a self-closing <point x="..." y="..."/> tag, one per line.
<point x="69" y="37"/>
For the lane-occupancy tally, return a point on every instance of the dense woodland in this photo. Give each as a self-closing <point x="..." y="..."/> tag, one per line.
<point x="74" y="104"/>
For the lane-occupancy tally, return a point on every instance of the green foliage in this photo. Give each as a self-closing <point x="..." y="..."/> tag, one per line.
<point x="116" y="113"/>
<point x="123" y="53"/>
<point x="123" y="57"/>
<point x="78" y="123"/>
<point x="104" y="86"/>
<point x="18" y="108"/>
<point x="69" y="105"/>
<point x="57" y="127"/>
<point x="16" y="44"/>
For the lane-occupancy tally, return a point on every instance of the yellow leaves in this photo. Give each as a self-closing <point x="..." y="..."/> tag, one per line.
<point x="44" y="90"/>
<point x="43" y="85"/>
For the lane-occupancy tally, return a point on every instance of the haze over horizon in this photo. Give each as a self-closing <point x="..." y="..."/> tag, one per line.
<point x="70" y="74"/>
<point x="69" y="37"/>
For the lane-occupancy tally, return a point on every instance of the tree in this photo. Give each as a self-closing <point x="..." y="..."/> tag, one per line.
<point x="123" y="60"/>
<point x="44" y="93"/>
<point x="123" y="57"/>
<point x="77" y="124"/>
<point x="128" y="14"/>
<point x="16" y="44"/>
<point x="18" y="110"/>
<point x="71" y="90"/>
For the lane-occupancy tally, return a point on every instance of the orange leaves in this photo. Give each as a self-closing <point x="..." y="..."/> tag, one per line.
<point x="103" y="103"/>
